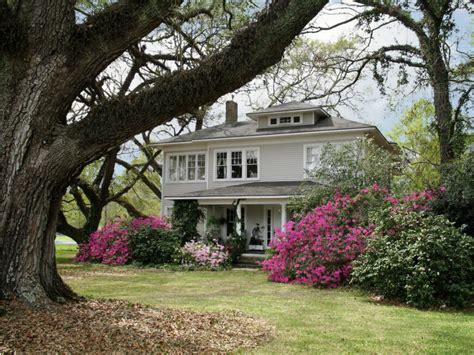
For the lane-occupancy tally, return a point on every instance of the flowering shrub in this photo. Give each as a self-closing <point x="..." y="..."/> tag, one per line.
<point x="204" y="255"/>
<point x="319" y="249"/>
<point x="110" y="244"/>
<point x="154" y="222"/>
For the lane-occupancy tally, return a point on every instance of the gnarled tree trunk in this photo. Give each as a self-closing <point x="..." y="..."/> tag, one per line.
<point x="34" y="174"/>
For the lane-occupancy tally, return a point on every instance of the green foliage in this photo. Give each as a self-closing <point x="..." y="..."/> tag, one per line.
<point x="418" y="258"/>
<point x="185" y="218"/>
<point x="416" y="135"/>
<point x="153" y="246"/>
<point x="236" y="245"/>
<point x="347" y="168"/>
<point x="457" y="202"/>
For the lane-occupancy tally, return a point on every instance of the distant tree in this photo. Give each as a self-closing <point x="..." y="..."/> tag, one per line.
<point x="417" y="137"/>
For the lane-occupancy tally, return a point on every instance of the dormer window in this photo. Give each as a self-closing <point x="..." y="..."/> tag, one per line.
<point x="284" y="121"/>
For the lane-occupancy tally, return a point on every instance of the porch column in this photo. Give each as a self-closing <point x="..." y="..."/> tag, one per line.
<point x="238" y="224"/>
<point x="283" y="216"/>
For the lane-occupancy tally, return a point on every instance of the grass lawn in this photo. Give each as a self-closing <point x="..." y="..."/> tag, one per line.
<point x="307" y="320"/>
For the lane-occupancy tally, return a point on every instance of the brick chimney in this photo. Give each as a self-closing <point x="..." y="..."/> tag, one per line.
<point x="231" y="113"/>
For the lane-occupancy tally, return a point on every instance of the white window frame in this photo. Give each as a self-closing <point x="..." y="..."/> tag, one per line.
<point x="229" y="164"/>
<point x="292" y="120"/>
<point x="305" y="154"/>
<point x="186" y="154"/>
<point x="321" y="145"/>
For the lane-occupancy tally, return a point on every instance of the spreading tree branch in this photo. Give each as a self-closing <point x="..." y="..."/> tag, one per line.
<point x="252" y="50"/>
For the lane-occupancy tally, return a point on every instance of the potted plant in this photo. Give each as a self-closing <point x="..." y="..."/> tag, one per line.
<point x="256" y="241"/>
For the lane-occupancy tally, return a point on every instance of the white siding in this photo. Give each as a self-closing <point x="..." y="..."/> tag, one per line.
<point x="281" y="159"/>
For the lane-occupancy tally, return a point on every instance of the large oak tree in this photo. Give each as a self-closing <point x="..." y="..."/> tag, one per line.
<point x="47" y="58"/>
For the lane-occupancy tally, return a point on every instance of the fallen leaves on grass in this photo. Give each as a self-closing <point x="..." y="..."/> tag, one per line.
<point x="106" y="325"/>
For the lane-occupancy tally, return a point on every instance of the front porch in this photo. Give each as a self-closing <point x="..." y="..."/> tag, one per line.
<point x="255" y="220"/>
<point x="254" y="210"/>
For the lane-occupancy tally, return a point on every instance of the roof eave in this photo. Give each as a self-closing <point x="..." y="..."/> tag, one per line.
<point x="358" y="129"/>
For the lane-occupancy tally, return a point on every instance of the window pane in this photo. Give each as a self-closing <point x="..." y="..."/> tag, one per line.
<point x="296" y="119"/>
<point x="182" y="167"/>
<point x="273" y="121"/>
<point x="221" y="165"/>
<point x="222" y="158"/>
<point x="252" y="164"/>
<point x="202" y="160"/>
<point x="236" y="165"/>
<point x="191" y="167"/>
<point x="201" y="169"/>
<point x="236" y="171"/>
<point x="172" y="168"/>
<point x="285" y="119"/>
<point x="252" y="171"/>
<point x="312" y="157"/>
<point x="201" y="173"/>
<point x="221" y="172"/>
<point x="236" y="158"/>
<point x="252" y="157"/>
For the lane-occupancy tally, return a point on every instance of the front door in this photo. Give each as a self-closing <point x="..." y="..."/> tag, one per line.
<point x="269" y="225"/>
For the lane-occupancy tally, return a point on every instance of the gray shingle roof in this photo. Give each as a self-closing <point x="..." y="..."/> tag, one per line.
<point x="249" y="129"/>
<point x="260" y="189"/>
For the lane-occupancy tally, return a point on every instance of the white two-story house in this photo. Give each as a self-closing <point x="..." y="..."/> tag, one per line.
<point x="257" y="164"/>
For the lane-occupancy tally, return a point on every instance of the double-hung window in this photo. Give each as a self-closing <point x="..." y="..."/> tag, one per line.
<point x="312" y="156"/>
<point x="186" y="167"/>
<point x="221" y="165"/>
<point x="237" y="164"/>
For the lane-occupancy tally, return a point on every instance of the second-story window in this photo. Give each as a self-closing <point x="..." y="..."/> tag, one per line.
<point x="238" y="164"/>
<point x="252" y="164"/>
<point x="285" y="120"/>
<point x="186" y="167"/>
<point x="221" y="165"/>
<point x="313" y="155"/>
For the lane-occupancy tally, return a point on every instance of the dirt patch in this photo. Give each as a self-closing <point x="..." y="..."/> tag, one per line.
<point x="105" y="326"/>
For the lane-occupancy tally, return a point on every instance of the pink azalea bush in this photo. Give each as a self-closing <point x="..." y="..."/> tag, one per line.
<point x="154" y="222"/>
<point x="199" y="254"/>
<point x="110" y="244"/>
<point x="319" y="249"/>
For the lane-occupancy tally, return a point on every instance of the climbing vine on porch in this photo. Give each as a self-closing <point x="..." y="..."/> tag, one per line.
<point x="185" y="218"/>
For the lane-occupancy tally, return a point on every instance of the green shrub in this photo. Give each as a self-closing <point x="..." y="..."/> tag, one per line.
<point x="235" y="246"/>
<point x="185" y="218"/>
<point x="418" y="258"/>
<point x="154" y="246"/>
<point x="457" y="202"/>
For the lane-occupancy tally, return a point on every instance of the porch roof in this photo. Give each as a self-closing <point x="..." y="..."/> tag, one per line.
<point x="273" y="189"/>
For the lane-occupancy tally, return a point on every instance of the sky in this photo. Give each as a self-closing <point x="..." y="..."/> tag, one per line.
<point x="374" y="108"/>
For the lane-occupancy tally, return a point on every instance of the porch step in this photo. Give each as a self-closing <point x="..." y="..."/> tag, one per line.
<point x="250" y="260"/>
<point x="240" y="265"/>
